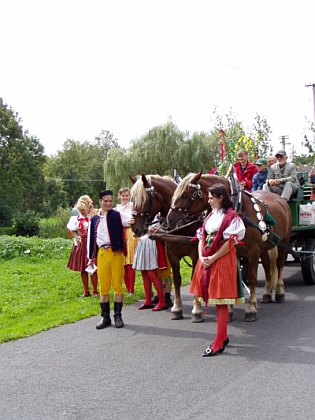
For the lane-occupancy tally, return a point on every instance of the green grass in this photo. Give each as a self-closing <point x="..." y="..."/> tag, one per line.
<point x="39" y="292"/>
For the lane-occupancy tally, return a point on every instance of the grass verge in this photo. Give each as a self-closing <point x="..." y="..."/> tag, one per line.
<point x="39" y="292"/>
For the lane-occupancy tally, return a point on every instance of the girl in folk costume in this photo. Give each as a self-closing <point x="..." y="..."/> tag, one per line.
<point x="149" y="257"/>
<point x="131" y="242"/>
<point x="78" y="261"/>
<point x="215" y="277"/>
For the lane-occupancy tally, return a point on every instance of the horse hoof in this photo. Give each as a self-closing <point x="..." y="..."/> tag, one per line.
<point x="280" y="298"/>
<point x="177" y="315"/>
<point x="230" y="318"/>
<point x="197" y="318"/>
<point x="250" y="317"/>
<point x="266" y="298"/>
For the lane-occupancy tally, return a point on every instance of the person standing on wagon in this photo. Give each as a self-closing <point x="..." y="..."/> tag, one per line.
<point x="244" y="170"/>
<point x="78" y="261"/>
<point x="216" y="281"/>
<point x="106" y="244"/>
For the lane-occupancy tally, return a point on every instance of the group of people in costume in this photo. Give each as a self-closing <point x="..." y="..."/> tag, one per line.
<point x="104" y="241"/>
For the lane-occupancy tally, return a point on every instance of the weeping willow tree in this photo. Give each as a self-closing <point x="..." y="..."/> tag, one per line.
<point x="116" y="170"/>
<point x="201" y="151"/>
<point x="153" y="153"/>
<point x="165" y="148"/>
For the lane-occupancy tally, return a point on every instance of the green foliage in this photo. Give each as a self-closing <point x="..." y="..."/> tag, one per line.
<point x="54" y="196"/>
<point x="55" y="227"/>
<point x="21" y="166"/>
<point x="304" y="160"/>
<point x="26" y="224"/>
<point x="79" y="167"/>
<point x="309" y="138"/>
<point x="33" y="248"/>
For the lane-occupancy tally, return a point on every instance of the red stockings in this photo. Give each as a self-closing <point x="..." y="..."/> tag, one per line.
<point x="85" y="282"/>
<point x="149" y="277"/>
<point x="129" y="278"/>
<point x="222" y="322"/>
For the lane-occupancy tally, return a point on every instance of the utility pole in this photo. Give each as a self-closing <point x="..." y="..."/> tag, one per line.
<point x="284" y="141"/>
<point x="313" y="86"/>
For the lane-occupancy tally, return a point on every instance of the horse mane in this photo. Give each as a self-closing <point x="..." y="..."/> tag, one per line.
<point x="183" y="185"/>
<point x="138" y="194"/>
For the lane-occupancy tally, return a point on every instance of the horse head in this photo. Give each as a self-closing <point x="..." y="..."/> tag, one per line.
<point x="150" y="195"/>
<point x="190" y="199"/>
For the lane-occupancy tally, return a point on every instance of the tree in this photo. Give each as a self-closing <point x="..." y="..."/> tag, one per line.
<point x="80" y="166"/>
<point x="21" y="165"/>
<point x="153" y="153"/>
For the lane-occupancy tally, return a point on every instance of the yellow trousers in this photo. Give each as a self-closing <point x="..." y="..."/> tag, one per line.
<point x="110" y="270"/>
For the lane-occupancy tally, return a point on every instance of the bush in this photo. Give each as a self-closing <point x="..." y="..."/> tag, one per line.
<point x="55" y="227"/>
<point x="26" y="224"/>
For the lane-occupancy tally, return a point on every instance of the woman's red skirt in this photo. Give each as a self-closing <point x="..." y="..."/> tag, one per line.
<point x="78" y="260"/>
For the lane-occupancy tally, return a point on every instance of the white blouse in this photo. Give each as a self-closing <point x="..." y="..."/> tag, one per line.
<point x="213" y="224"/>
<point x="73" y="225"/>
<point x="126" y="208"/>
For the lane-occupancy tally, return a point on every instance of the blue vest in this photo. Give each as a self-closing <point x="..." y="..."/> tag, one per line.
<point x="115" y="231"/>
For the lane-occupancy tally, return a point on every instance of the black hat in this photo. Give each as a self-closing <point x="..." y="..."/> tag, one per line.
<point x="106" y="192"/>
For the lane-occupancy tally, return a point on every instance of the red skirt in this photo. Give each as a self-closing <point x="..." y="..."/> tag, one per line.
<point x="223" y="278"/>
<point x="78" y="260"/>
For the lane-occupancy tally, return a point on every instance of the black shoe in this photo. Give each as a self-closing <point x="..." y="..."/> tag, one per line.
<point x="104" y="322"/>
<point x="209" y="352"/>
<point x="119" y="323"/>
<point x="226" y="341"/>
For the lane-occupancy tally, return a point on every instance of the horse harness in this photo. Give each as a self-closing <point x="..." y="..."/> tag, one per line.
<point x="146" y="214"/>
<point x="197" y="193"/>
<point x="265" y="226"/>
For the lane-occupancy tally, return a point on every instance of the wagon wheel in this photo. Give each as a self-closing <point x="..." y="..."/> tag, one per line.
<point x="308" y="265"/>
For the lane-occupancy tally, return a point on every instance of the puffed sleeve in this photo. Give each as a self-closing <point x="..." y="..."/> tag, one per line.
<point x="73" y="223"/>
<point x="236" y="228"/>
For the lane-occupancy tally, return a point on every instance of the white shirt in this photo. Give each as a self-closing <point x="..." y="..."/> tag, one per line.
<point x="102" y="229"/>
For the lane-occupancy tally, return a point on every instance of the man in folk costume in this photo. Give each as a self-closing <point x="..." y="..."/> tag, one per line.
<point x="106" y="245"/>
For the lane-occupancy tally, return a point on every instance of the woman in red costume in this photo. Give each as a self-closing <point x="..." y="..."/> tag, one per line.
<point x="215" y="278"/>
<point x="78" y="261"/>
<point x="244" y="170"/>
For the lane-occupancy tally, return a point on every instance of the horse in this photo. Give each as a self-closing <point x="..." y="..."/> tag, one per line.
<point x="190" y="197"/>
<point x="150" y="195"/>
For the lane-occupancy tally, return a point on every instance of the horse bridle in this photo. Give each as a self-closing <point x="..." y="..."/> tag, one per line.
<point x="197" y="193"/>
<point x="146" y="214"/>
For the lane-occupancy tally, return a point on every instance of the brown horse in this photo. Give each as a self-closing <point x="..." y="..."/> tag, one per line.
<point x="256" y="243"/>
<point x="150" y="195"/>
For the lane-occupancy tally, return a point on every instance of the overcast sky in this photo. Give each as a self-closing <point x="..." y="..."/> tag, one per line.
<point x="73" y="68"/>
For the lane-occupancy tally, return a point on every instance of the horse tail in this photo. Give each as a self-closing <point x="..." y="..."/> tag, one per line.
<point x="273" y="255"/>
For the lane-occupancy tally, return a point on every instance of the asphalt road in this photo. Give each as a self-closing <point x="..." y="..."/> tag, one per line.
<point x="153" y="367"/>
